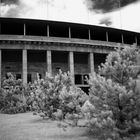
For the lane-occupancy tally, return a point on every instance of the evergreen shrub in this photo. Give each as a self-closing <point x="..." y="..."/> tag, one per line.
<point x="56" y="97"/>
<point x="12" y="96"/>
<point x="114" y="110"/>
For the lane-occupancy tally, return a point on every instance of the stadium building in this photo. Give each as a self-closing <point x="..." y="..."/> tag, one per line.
<point x="29" y="46"/>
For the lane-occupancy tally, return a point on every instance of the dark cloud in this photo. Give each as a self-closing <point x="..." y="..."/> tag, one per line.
<point x="12" y="8"/>
<point x="126" y="2"/>
<point x="9" y="1"/>
<point x="105" y="6"/>
<point x="106" y="21"/>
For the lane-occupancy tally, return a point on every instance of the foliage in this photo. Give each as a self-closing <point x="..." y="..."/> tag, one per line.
<point x="57" y="98"/>
<point x="12" y="96"/>
<point x="114" y="110"/>
<point x="111" y="111"/>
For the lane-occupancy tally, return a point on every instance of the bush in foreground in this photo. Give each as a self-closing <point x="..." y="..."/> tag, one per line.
<point x="12" y="96"/>
<point x="114" y="97"/>
<point x="56" y="97"/>
<point x="112" y="110"/>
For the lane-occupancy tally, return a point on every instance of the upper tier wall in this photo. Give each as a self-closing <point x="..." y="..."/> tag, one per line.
<point x="28" y="27"/>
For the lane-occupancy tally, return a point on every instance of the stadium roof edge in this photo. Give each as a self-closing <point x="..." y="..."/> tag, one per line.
<point x="26" y="20"/>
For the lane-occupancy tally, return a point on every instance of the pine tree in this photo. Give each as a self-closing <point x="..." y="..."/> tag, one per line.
<point x="115" y="96"/>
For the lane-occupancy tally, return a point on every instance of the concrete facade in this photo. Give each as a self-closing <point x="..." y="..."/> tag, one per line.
<point x="26" y="52"/>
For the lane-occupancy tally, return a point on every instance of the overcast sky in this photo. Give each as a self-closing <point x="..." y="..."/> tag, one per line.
<point x="95" y="12"/>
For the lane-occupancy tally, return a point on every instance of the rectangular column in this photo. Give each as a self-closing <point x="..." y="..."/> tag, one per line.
<point x="24" y="66"/>
<point x="0" y="67"/>
<point x="48" y="31"/>
<point x="136" y="41"/>
<point x="91" y="62"/>
<point x="71" y="65"/>
<point x="106" y="36"/>
<point x="69" y="32"/>
<point x="24" y="26"/>
<point x="89" y="34"/>
<point x="49" y="62"/>
<point x="122" y="38"/>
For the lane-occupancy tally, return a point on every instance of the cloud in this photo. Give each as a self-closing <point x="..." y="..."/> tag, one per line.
<point x="6" y="8"/>
<point x="8" y="2"/>
<point x="125" y="18"/>
<point x="76" y="11"/>
<point x="10" y="8"/>
<point x="24" y="8"/>
<point x="61" y="10"/>
<point x="106" y="21"/>
<point x="104" y="6"/>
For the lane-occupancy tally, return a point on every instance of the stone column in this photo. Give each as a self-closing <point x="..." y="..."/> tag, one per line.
<point x="0" y="67"/>
<point x="49" y="62"/>
<point x="91" y="62"/>
<point x="89" y="34"/>
<point x="24" y="66"/>
<point x="71" y="65"/>
<point x="136" y="40"/>
<point x="48" y="31"/>
<point x="69" y="32"/>
<point x="24" y="29"/>
<point x="122" y="38"/>
<point x="106" y="36"/>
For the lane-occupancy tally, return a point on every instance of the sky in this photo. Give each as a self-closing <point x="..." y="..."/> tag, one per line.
<point x="121" y="14"/>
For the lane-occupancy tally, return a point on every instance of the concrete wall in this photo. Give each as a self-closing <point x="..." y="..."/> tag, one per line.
<point x="75" y="46"/>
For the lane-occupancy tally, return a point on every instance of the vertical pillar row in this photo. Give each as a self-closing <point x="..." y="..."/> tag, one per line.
<point x="71" y="65"/>
<point x="0" y="67"/>
<point x="24" y="66"/>
<point x="49" y="62"/>
<point x="91" y="62"/>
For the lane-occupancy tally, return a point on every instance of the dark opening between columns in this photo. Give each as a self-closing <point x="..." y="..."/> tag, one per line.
<point x="98" y="34"/>
<point x="12" y="28"/>
<point x="129" y="38"/>
<point x="36" y="56"/>
<point x="115" y="36"/>
<point x="12" y="62"/>
<point x="81" y="67"/>
<point x="80" y="58"/>
<point x="98" y="59"/>
<point x="59" y="57"/>
<point x="36" y="63"/>
<point x="36" y="28"/>
<point x="58" y="30"/>
<point x="79" y="32"/>
<point x="11" y="55"/>
<point x="59" y="61"/>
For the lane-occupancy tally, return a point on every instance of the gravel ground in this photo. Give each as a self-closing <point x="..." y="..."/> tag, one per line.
<point x="26" y="126"/>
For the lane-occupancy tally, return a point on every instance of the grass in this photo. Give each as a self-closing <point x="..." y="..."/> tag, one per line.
<point x="25" y="126"/>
